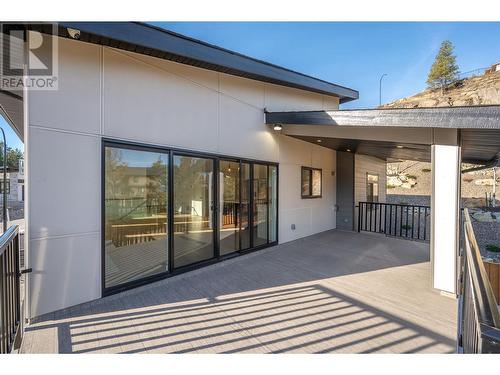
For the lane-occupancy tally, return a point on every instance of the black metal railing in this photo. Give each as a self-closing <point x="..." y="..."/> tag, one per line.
<point x="10" y="293"/>
<point x="398" y="220"/>
<point x="479" y="319"/>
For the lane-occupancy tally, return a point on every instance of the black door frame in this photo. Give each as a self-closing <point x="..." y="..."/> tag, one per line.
<point x="221" y="209"/>
<point x="108" y="142"/>
<point x="213" y="203"/>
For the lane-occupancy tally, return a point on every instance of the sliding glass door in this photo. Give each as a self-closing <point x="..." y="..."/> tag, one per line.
<point x="245" y="232"/>
<point x="193" y="205"/>
<point x="234" y="210"/>
<point x="164" y="210"/>
<point x="229" y="211"/>
<point x="135" y="215"/>
<point x="260" y="204"/>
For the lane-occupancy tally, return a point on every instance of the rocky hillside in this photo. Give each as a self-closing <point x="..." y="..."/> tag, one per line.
<point x="410" y="182"/>
<point x="479" y="90"/>
<point x="415" y="178"/>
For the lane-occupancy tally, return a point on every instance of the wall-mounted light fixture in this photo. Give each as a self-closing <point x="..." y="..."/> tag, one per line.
<point x="74" y="33"/>
<point x="348" y="149"/>
<point x="277" y="127"/>
<point x="319" y="140"/>
<point x="399" y="146"/>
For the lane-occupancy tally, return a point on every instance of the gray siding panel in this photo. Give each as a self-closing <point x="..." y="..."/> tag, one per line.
<point x="345" y="190"/>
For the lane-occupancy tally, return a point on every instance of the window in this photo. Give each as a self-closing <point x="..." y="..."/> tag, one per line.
<point x="371" y="187"/>
<point x="8" y="186"/>
<point x="311" y="182"/>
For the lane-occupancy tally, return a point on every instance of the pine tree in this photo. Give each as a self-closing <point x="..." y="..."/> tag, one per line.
<point x="444" y="70"/>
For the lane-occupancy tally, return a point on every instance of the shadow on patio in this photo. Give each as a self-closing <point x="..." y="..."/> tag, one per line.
<point x="332" y="292"/>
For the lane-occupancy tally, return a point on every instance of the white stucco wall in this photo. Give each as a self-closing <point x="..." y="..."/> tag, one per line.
<point x="110" y="93"/>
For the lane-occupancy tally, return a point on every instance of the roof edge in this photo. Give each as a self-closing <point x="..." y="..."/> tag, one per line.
<point x="472" y="117"/>
<point x="154" y="41"/>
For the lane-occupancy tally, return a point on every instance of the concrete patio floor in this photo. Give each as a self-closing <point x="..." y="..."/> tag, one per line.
<point x="336" y="291"/>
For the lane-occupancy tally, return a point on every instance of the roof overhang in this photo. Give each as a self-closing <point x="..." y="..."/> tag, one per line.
<point x="474" y="117"/>
<point x="154" y="41"/>
<point x="478" y="128"/>
<point x="11" y="109"/>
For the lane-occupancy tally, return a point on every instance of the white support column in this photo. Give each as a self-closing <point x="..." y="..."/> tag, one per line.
<point x="445" y="209"/>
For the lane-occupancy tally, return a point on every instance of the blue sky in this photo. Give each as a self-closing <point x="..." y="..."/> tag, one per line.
<point x="12" y="138"/>
<point x="355" y="54"/>
<point x="350" y="54"/>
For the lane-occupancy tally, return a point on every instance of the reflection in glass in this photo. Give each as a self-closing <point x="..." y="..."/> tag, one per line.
<point x="273" y="202"/>
<point x="306" y="182"/>
<point x="193" y="209"/>
<point x="135" y="228"/>
<point x="229" y="190"/>
<point x="245" y="206"/>
<point x="316" y="182"/>
<point x="260" y="203"/>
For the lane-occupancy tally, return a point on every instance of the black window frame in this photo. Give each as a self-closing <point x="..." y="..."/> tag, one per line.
<point x="310" y="195"/>
<point x="172" y="271"/>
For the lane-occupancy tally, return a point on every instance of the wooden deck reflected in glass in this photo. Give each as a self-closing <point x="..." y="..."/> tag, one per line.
<point x="136" y="238"/>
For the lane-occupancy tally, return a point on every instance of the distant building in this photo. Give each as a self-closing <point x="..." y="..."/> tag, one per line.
<point x="492" y="69"/>
<point x="15" y="183"/>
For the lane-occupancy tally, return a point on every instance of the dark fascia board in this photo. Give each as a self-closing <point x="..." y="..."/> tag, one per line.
<point x="474" y="117"/>
<point x="154" y="41"/>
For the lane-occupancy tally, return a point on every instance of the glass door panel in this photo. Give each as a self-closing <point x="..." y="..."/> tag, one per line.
<point x="245" y="206"/>
<point x="193" y="180"/>
<point x="260" y="204"/>
<point x="229" y="196"/>
<point x="273" y="202"/>
<point x="135" y="215"/>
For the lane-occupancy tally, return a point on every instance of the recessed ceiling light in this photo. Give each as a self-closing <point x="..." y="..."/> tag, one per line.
<point x="399" y="146"/>
<point x="277" y="127"/>
<point x="319" y="140"/>
<point x="348" y="149"/>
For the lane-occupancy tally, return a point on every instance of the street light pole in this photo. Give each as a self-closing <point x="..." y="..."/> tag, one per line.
<point x="380" y="89"/>
<point x="4" y="189"/>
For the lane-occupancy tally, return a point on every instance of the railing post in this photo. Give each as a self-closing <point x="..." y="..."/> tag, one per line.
<point x="360" y="210"/>
<point x="390" y="219"/>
